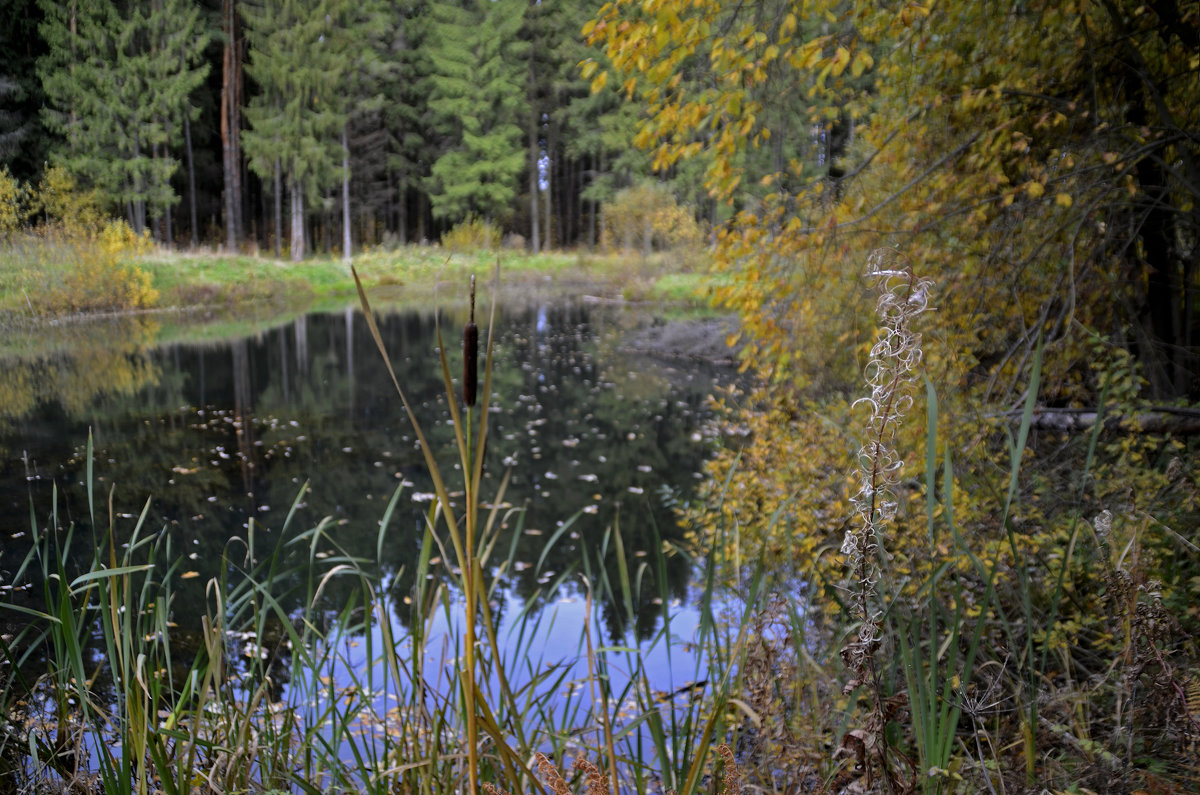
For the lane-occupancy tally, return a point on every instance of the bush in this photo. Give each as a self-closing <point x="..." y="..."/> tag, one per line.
<point x="75" y="259"/>
<point x="646" y="217"/>
<point x="13" y="204"/>
<point x="473" y="234"/>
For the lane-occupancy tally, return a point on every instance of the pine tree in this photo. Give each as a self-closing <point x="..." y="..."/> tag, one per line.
<point x="118" y="85"/>
<point x="22" y="147"/>
<point x="478" y="96"/>
<point x="296" y="119"/>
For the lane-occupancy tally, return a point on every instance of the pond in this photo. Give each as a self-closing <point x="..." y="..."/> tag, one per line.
<point x="595" y="427"/>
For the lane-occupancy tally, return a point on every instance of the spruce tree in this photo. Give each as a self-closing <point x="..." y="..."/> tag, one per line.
<point x="408" y="120"/>
<point x="296" y="118"/>
<point x="478" y="97"/>
<point x="22" y="144"/>
<point x="117" y="86"/>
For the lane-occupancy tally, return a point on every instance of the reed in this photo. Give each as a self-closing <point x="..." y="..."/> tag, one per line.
<point x="102" y="692"/>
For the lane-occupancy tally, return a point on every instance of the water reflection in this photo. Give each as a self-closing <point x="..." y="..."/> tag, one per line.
<point x="223" y="435"/>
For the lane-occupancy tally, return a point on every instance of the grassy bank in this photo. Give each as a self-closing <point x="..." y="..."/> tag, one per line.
<point x="47" y="278"/>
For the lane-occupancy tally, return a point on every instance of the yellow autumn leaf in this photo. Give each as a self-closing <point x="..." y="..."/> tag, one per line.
<point x="1035" y="189"/>
<point x="840" y="59"/>
<point x="599" y="82"/>
<point x="1063" y="200"/>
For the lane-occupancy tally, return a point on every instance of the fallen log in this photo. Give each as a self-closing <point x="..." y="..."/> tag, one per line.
<point x="1156" y="419"/>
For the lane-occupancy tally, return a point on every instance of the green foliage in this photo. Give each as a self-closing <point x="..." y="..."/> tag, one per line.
<point x="118" y="83"/>
<point x="477" y="93"/>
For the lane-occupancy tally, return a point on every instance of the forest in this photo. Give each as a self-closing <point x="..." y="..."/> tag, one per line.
<point x="959" y="504"/>
<point x="314" y="125"/>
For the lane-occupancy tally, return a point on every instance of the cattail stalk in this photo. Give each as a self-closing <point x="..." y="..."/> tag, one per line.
<point x="470" y="381"/>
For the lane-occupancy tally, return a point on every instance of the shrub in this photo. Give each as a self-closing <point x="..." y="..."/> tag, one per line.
<point x="473" y="234"/>
<point x="75" y="259"/>
<point x="13" y="204"/>
<point x="61" y="200"/>
<point x="647" y="217"/>
<point x="63" y="268"/>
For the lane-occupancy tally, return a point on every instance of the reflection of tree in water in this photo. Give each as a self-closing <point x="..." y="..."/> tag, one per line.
<point x="225" y="434"/>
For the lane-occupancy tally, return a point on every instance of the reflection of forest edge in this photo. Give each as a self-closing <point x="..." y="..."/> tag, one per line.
<point x="222" y="435"/>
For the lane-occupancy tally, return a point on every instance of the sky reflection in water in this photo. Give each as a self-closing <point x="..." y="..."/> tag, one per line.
<point x="219" y="435"/>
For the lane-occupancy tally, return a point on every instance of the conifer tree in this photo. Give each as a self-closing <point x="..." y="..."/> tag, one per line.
<point x="22" y="147"/>
<point x="478" y="96"/>
<point x="296" y="117"/>
<point x="406" y="113"/>
<point x="117" y="85"/>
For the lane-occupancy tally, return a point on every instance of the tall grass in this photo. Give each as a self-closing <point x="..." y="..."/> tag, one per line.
<point x="974" y="693"/>
<point x="103" y="692"/>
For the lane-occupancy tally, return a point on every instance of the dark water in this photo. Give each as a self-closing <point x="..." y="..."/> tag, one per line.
<point x="219" y="436"/>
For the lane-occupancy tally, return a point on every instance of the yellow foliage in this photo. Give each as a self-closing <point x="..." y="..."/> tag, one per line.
<point x="646" y="217"/>
<point x="984" y="160"/>
<point x="12" y="204"/>
<point x="61" y="201"/>
<point x="75" y="259"/>
<point x="474" y="234"/>
<point x="101" y="274"/>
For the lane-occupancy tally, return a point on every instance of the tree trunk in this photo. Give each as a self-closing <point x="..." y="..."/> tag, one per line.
<point x="230" y="121"/>
<point x="139" y="191"/>
<point x="297" y="222"/>
<point x="1156" y="419"/>
<point x="534" y="161"/>
<point x="422" y="211"/>
<point x="402" y="206"/>
<point x="191" y="167"/>
<point x="346" y="238"/>
<point x="535" y="240"/>
<point x="548" y="238"/>
<point x="553" y="170"/>
<point x="278" y="208"/>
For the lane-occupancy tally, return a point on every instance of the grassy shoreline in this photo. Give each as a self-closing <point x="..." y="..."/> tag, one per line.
<point x="211" y="279"/>
<point x="210" y="296"/>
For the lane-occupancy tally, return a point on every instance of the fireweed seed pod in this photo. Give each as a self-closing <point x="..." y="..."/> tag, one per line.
<point x="470" y="381"/>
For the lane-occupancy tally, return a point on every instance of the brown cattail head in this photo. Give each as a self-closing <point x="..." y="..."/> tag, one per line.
<point x="470" y="382"/>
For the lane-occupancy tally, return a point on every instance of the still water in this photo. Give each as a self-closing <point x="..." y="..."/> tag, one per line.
<point x="220" y="436"/>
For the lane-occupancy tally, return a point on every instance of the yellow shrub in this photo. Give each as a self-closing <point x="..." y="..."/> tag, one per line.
<point x="646" y="217"/>
<point x="12" y="204"/>
<point x="473" y="234"/>
<point x="61" y="200"/>
<point x="80" y="270"/>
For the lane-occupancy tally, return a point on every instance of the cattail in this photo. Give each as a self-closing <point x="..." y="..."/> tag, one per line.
<point x="470" y="382"/>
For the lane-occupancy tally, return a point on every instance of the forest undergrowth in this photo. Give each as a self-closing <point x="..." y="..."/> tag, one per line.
<point x="964" y="628"/>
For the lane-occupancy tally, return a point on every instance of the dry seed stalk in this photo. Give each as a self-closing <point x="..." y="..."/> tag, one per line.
<point x="731" y="774"/>
<point x="890" y="372"/>
<point x="596" y="783"/>
<point x="550" y="773"/>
